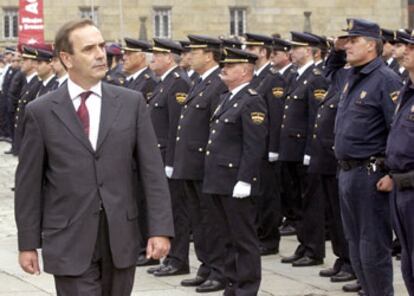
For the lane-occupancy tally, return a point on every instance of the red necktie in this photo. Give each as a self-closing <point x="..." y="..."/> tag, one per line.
<point x="83" y="111"/>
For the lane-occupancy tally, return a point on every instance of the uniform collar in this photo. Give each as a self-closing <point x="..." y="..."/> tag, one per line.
<point x="163" y="76"/>
<point x="283" y="70"/>
<point x="371" y="66"/>
<point x="258" y="71"/>
<point x="30" y="77"/>
<point x="136" y="74"/>
<point x="302" y="69"/>
<point x="208" y="72"/>
<point x="45" y="82"/>
<point x="237" y="89"/>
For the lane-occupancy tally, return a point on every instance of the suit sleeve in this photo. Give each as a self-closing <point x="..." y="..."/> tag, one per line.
<point x="179" y="89"/>
<point x="28" y="187"/>
<point x="254" y="125"/>
<point x="149" y="162"/>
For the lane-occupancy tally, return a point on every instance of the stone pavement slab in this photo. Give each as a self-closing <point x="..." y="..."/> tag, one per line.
<point x="277" y="279"/>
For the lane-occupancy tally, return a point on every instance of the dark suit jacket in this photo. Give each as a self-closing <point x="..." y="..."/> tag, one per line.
<point x="61" y="181"/>
<point x="194" y="127"/>
<point x="144" y="83"/>
<point x="165" y="107"/>
<point x="236" y="144"/>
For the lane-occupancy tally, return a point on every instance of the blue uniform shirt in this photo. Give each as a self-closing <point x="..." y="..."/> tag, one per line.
<point x="365" y="111"/>
<point x="400" y="145"/>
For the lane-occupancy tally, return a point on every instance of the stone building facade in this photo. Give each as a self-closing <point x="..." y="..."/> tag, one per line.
<point x="176" y="19"/>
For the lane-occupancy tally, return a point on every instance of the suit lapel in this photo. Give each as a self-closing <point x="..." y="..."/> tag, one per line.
<point x="109" y="112"/>
<point x="65" y="111"/>
<point x="224" y="107"/>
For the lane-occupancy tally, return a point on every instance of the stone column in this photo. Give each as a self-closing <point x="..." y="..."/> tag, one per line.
<point x="143" y="28"/>
<point x="307" y="27"/>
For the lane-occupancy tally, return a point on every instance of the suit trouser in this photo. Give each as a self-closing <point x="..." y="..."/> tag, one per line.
<point x="179" y="252"/>
<point x="366" y="218"/>
<point x="101" y="278"/>
<point x="242" y="265"/>
<point x="293" y="183"/>
<point x="269" y="209"/>
<point x="402" y="209"/>
<point x="208" y="243"/>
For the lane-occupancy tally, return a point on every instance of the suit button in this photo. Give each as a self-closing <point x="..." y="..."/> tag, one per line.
<point x="207" y="152"/>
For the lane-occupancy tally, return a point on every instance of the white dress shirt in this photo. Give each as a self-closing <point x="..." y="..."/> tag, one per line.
<point x="302" y="69"/>
<point x="283" y="70"/>
<point x="136" y="74"/>
<point x="62" y="79"/>
<point x="93" y="103"/>
<point x="208" y="72"/>
<point x="237" y="89"/>
<point x="258" y="71"/>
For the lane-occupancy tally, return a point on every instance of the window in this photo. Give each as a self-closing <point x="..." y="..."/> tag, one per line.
<point x="162" y="22"/>
<point x="88" y="12"/>
<point x="10" y="23"/>
<point x="237" y="21"/>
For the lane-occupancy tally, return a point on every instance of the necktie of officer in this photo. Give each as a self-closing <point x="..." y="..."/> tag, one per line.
<point x="83" y="112"/>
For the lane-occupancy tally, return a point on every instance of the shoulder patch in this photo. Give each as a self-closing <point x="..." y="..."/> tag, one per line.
<point x="176" y="75"/>
<point x="394" y="95"/>
<point x="319" y="94"/>
<point x="252" y="92"/>
<point x="257" y="117"/>
<point x="316" y="71"/>
<point x="180" y="97"/>
<point x="278" y="92"/>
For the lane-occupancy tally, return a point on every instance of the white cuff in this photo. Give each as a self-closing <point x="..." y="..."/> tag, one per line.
<point x="306" y="160"/>
<point x="273" y="156"/>
<point x="242" y="189"/>
<point x="169" y="171"/>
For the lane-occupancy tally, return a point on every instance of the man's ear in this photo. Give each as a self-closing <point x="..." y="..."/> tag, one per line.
<point x="66" y="59"/>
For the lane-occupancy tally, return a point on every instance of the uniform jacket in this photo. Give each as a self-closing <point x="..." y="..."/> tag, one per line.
<point x="194" y="126"/>
<point x="236" y="143"/>
<point x="61" y="182"/>
<point x="15" y="88"/>
<point x="165" y="109"/>
<point x="144" y="83"/>
<point x="300" y="107"/>
<point x="259" y="79"/>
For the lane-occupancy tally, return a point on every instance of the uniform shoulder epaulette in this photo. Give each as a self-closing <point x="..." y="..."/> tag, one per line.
<point x="347" y="66"/>
<point x="273" y="70"/>
<point x="108" y="77"/>
<point x="316" y="71"/>
<point x="176" y="75"/>
<point x="147" y="76"/>
<point x="252" y="92"/>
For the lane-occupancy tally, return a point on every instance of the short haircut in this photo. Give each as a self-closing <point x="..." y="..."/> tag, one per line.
<point x="62" y="42"/>
<point x="379" y="45"/>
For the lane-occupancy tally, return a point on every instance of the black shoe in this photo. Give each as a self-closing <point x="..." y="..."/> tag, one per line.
<point x="169" y="270"/>
<point x="291" y="259"/>
<point x="210" y="286"/>
<point x="151" y="270"/>
<point x="268" y="251"/>
<point x="352" y="287"/>
<point x="286" y="230"/>
<point x="307" y="261"/>
<point x="144" y="261"/>
<point x="343" y="276"/>
<point x="329" y="272"/>
<point x="194" y="282"/>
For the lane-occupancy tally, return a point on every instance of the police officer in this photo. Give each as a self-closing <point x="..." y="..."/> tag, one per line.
<point x="192" y="135"/>
<point x="320" y="50"/>
<point x="136" y="59"/>
<point x="165" y="108"/>
<point x="45" y="71"/>
<point x="363" y="119"/>
<point x="185" y="62"/>
<point x="115" y="73"/>
<point x="389" y="38"/>
<point x="234" y="151"/>
<point x="60" y="71"/>
<point x="27" y="93"/>
<point x="281" y="59"/>
<point x="231" y="43"/>
<point x="400" y="160"/>
<point x="399" y="49"/>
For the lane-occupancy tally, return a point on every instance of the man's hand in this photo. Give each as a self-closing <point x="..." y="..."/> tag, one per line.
<point x="340" y="43"/>
<point x="385" y="184"/>
<point x="29" y="262"/>
<point x="158" y="247"/>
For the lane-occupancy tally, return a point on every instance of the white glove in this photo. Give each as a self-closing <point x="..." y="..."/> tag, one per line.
<point x="169" y="171"/>
<point x="242" y="189"/>
<point x="306" y="160"/>
<point x="273" y="156"/>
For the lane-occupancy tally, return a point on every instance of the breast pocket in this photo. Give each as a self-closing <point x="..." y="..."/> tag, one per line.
<point x="199" y="105"/>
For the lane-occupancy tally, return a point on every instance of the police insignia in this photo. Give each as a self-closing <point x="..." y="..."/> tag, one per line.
<point x="394" y="96"/>
<point x="363" y="94"/>
<point x="319" y="94"/>
<point x="278" y="92"/>
<point x="176" y="75"/>
<point x="257" y="117"/>
<point x="350" y="24"/>
<point x="252" y="91"/>
<point x="180" y="97"/>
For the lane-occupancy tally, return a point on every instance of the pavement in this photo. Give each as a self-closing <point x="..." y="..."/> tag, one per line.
<point x="277" y="279"/>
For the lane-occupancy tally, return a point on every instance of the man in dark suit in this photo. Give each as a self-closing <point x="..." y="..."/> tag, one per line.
<point x="193" y="130"/>
<point x="234" y="151"/>
<point x="75" y="198"/>
<point x="165" y="108"/>
<point x="136" y="60"/>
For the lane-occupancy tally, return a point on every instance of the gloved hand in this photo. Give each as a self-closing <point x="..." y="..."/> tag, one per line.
<point x="306" y="160"/>
<point x="242" y="189"/>
<point x="169" y="171"/>
<point x="273" y="156"/>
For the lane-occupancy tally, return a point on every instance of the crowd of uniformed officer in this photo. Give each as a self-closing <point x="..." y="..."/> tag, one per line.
<point x="264" y="137"/>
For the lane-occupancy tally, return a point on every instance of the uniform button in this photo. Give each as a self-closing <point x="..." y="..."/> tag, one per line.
<point x="254" y="179"/>
<point x="295" y="97"/>
<point x="159" y="145"/>
<point x="15" y="125"/>
<point x="286" y="107"/>
<point x="230" y="165"/>
<point x="297" y="135"/>
<point x="226" y="120"/>
<point x="197" y="106"/>
<point x="182" y="116"/>
<point x="156" y="104"/>
<point x="178" y="139"/>
<point x="319" y="116"/>
<point x="185" y="107"/>
<point x="207" y="152"/>
<point x="209" y="141"/>
<point x="18" y="109"/>
<point x="316" y="125"/>
<point x="282" y="126"/>
<point x="314" y="136"/>
<point x="235" y="105"/>
<point x="200" y="149"/>
<point x="322" y="106"/>
<point x="179" y="127"/>
<point x="213" y="131"/>
<point x="288" y="97"/>
<point x="284" y="116"/>
<point x="217" y="121"/>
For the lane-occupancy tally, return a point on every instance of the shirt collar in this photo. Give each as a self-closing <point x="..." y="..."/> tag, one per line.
<point x="136" y="74"/>
<point x="258" y="71"/>
<point x="62" y="79"/>
<point x="237" y="89"/>
<point x="45" y="82"/>
<point x="283" y="70"/>
<point x="318" y="62"/>
<point x="401" y="69"/>
<point x="208" y="72"/>
<point x="190" y="72"/>
<point x="302" y="69"/>
<point x="30" y="77"/>
<point x="390" y="60"/>
<point x="163" y="76"/>
<point x="75" y="90"/>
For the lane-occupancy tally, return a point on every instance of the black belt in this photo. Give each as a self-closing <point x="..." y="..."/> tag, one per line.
<point x="348" y="165"/>
<point x="373" y="164"/>
<point x="403" y="181"/>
